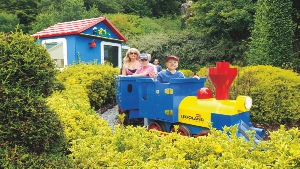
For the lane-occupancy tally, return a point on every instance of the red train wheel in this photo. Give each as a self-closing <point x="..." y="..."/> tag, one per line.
<point x="156" y="125"/>
<point x="183" y="130"/>
<point x="202" y="133"/>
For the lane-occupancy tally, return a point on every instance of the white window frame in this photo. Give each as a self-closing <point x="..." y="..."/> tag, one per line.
<point x="119" y="52"/>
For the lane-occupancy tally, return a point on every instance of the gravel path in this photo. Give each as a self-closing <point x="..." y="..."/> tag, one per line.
<point x="110" y="115"/>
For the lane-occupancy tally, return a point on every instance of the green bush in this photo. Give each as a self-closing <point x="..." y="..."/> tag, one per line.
<point x="187" y="73"/>
<point x="24" y="64"/>
<point x="97" y="79"/>
<point x="135" y="147"/>
<point x="275" y="93"/>
<point x="18" y="157"/>
<point x="27" y="76"/>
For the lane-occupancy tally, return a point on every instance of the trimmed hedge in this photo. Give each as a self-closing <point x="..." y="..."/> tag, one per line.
<point x="187" y="73"/>
<point x="27" y="124"/>
<point x="275" y="93"/>
<point x="96" y="79"/>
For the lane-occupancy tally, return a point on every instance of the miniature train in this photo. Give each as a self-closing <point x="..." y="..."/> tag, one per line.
<point x="185" y="102"/>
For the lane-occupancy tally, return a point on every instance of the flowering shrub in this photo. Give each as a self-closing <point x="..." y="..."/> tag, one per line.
<point x="96" y="80"/>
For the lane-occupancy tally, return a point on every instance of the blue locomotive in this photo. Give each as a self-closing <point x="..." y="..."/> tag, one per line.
<point x="185" y="102"/>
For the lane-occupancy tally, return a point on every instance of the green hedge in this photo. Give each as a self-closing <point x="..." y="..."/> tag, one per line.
<point x="187" y="73"/>
<point x="21" y="157"/>
<point x="275" y="93"/>
<point x="27" y="124"/>
<point x="97" y="80"/>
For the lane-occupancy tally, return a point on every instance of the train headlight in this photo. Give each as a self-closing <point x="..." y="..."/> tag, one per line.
<point x="243" y="103"/>
<point x="248" y="103"/>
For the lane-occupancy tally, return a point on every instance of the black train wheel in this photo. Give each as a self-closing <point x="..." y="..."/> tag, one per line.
<point x="157" y="125"/>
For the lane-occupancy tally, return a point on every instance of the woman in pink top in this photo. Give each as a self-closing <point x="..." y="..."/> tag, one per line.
<point x="145" y="69"/>
<point x="131" y="62"/>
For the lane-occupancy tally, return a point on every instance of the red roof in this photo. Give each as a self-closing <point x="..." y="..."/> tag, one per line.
<point x="76" y="27"/>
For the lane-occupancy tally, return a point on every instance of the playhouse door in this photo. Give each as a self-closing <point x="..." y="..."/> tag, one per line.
<point x="112" y="53"/>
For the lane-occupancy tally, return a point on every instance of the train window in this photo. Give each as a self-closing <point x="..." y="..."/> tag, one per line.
<point x="144" y="92"/>
<point x="129" y="88"/>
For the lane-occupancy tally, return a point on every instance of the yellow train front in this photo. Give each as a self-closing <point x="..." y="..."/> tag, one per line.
<point x="186" y="103"/>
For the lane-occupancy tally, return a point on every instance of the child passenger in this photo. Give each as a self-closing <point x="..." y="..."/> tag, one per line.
<point x="171" y="72"/>
<point x="145" y="69"/>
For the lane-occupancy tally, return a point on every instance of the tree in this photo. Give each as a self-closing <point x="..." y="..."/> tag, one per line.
<point x="296" y="43"/>
<point x="164" y="8"/>
<point x="136" y="7"/>
<point x="272" y="36"/>
<point x="104" y="6"/>
<point x="27" y="77"/>
<point x="26" y="10"/>
<point x="64" y="11"/>
<point x="224" y="25"/>
<point x="8" y="22"/>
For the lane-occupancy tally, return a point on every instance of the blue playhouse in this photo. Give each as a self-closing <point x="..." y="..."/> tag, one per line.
<point x="88" y="40"/>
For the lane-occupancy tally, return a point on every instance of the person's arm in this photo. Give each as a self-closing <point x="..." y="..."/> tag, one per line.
<point x="123" y="70"/>
<point x="159" y="68"/>
<point x="150" y="70"/>
<point x="139" y="74"/>
<point x="159" y="78"/>
<point x="154" y="68"/>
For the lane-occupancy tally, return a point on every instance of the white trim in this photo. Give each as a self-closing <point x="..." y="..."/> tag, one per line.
<point x="64" y="42"/>
<point x="119" y="52"/>
<point x="125" y="47"/>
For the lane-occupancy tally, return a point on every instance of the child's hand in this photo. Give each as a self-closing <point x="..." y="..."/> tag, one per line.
<point x="196" y="76"/>
<point x="153" y="75"/>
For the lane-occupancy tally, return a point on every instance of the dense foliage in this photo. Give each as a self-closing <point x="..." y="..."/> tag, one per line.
<point x="8" y="22"/>
<point x="224" y="26"/>
<point x="97" y="80"/>
<point x="275" y="93"/>
<point x="52" y="13"/>
<point x="132" y="26"/>
<point x="272" y="36"/>
<point x="27" y="76"/>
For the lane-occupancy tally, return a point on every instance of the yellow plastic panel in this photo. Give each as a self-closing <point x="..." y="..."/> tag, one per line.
<point x="198" y="112"/>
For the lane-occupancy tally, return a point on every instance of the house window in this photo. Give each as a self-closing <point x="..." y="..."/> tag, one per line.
<point x="111" y="52"/>
<point x="57" y="49"/>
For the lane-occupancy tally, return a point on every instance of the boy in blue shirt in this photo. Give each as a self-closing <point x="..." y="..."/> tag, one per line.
<point x="171" y="72"/>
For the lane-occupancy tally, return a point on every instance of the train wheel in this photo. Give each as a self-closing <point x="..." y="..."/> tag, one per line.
<point x="156" y="125"/>
<point x="183" y="130"/>
<point x="202" y="133"/>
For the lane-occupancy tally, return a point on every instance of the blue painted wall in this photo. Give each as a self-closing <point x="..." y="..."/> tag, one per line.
<point x="87" y="54"/>
<point x="78" y="45"/>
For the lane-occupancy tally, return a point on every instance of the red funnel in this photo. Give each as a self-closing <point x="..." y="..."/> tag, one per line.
<point x="222" y="76"/>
